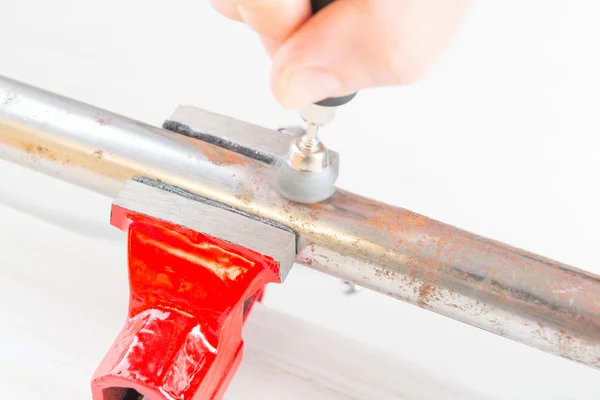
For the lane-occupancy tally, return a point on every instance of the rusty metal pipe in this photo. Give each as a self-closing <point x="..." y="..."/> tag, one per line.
<point x="507" y="291"/>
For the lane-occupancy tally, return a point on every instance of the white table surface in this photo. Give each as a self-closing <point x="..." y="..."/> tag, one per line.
<point x="502" y="139"/>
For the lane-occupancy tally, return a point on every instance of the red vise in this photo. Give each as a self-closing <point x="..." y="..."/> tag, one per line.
<point x="189" y="294"/>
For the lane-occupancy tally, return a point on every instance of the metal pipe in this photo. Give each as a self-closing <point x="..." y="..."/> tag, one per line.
<point x="487" y="284"/>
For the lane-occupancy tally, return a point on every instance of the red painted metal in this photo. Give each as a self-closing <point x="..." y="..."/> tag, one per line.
<point x="182" y="338"/>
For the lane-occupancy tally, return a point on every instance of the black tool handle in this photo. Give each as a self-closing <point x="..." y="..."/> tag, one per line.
<point x="318" y="5"/>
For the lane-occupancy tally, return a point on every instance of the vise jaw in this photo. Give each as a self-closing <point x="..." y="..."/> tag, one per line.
<point x="195" y="269"/>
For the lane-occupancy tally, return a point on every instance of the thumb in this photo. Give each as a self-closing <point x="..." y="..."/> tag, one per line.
<point x="356" y="44"/>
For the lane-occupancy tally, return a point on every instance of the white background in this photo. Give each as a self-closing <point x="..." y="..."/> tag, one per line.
<point x="501" y="139"/>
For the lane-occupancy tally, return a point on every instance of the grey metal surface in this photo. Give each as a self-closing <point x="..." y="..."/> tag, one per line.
<point x="487" y="284"/>
<point x="306" y="187"/>
<point x="267" y="141"/>
<point x="211" y="220"/>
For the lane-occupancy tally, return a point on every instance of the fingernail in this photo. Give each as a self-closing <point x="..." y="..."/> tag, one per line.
<point x="306" y="86"/>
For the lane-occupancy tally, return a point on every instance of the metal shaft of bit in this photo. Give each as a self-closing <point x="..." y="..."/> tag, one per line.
<point x="310" y="140"/>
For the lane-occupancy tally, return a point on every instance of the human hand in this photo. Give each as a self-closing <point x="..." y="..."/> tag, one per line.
<point x="349" y="45"/>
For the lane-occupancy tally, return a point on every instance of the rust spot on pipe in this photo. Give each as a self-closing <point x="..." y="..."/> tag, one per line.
<point x="45" y="147"/>
<point x="428" y="293"/>
<point x="244" y="198"/>
<point x="397" y="220"/>
<point x="218" y="155"/>
<point x="103" y="120"/>
<point x="41" y="151"/>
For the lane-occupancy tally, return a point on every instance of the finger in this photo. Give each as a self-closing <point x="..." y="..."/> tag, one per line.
<point x="275" y="19"/>
<point x="270" y="45"/>
<point x="227" y="8"/>
<point x="356" y="44"/>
